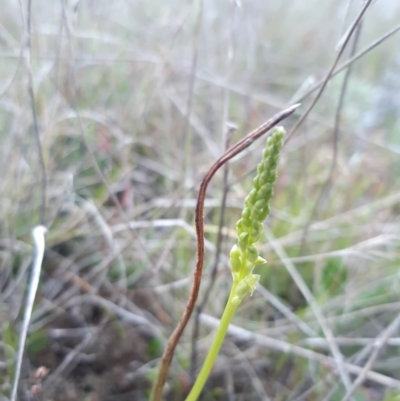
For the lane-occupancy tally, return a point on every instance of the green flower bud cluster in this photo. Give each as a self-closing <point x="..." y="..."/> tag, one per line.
<point x="244" y="256"/>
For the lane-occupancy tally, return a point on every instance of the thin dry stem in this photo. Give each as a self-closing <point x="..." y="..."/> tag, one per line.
<point x="297" y="278"/>
<point x="349" y="62"/>
<point x="34" y="114"/>
<point x="215" y="266"/>
<point x="331" y="70"/>
<point x="92" y="158"/>
<point x="379" y="345"/>
<point x="325" y="187"/>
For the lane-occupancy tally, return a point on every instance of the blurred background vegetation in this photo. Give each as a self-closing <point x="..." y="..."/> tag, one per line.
<point x="110" y="115"/>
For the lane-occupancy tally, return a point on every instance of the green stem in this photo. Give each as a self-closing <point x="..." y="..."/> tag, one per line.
<point x="226" y="318"/>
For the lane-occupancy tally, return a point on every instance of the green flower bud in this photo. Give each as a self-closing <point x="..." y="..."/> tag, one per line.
<point x="266" y="195"/>
<point x="256" y="184"/>
<point x="265" y="192"/>
<point x="259" y="204"/>
<point x="279" y="132"/>
<point x="239" y="227"/>
<point x="235" y="260"/>
<point x="265" y="154"/>
<point x="252" y="195"/>
<point x="246" y="286"/>
<point x="273" y="159"/>
<point x="266" y="187"/>
<point x="248" y="202"/>
<point x="271" y="149"/>
<point x="252" y="281"/>
<point x="260" y="261"/>
<point x="272" y="164"/>
<point x="263" y="178"/>
<point x="255" y="232"/>
<point x="252" y="253"/>
<point x="243" y="241"/>
<point x="272" y="175"/>
<point x="241" y="290"/>
<point x="263" y="213"/>
<point x="258" y="214"/>
<point x="247" y="269"/>
<point x="246" y="216"/>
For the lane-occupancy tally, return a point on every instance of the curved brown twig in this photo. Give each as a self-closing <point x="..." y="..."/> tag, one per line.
<point x="175" y="336"/>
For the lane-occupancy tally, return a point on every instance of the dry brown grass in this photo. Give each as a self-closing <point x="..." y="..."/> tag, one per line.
<point x="131" y="101"/>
